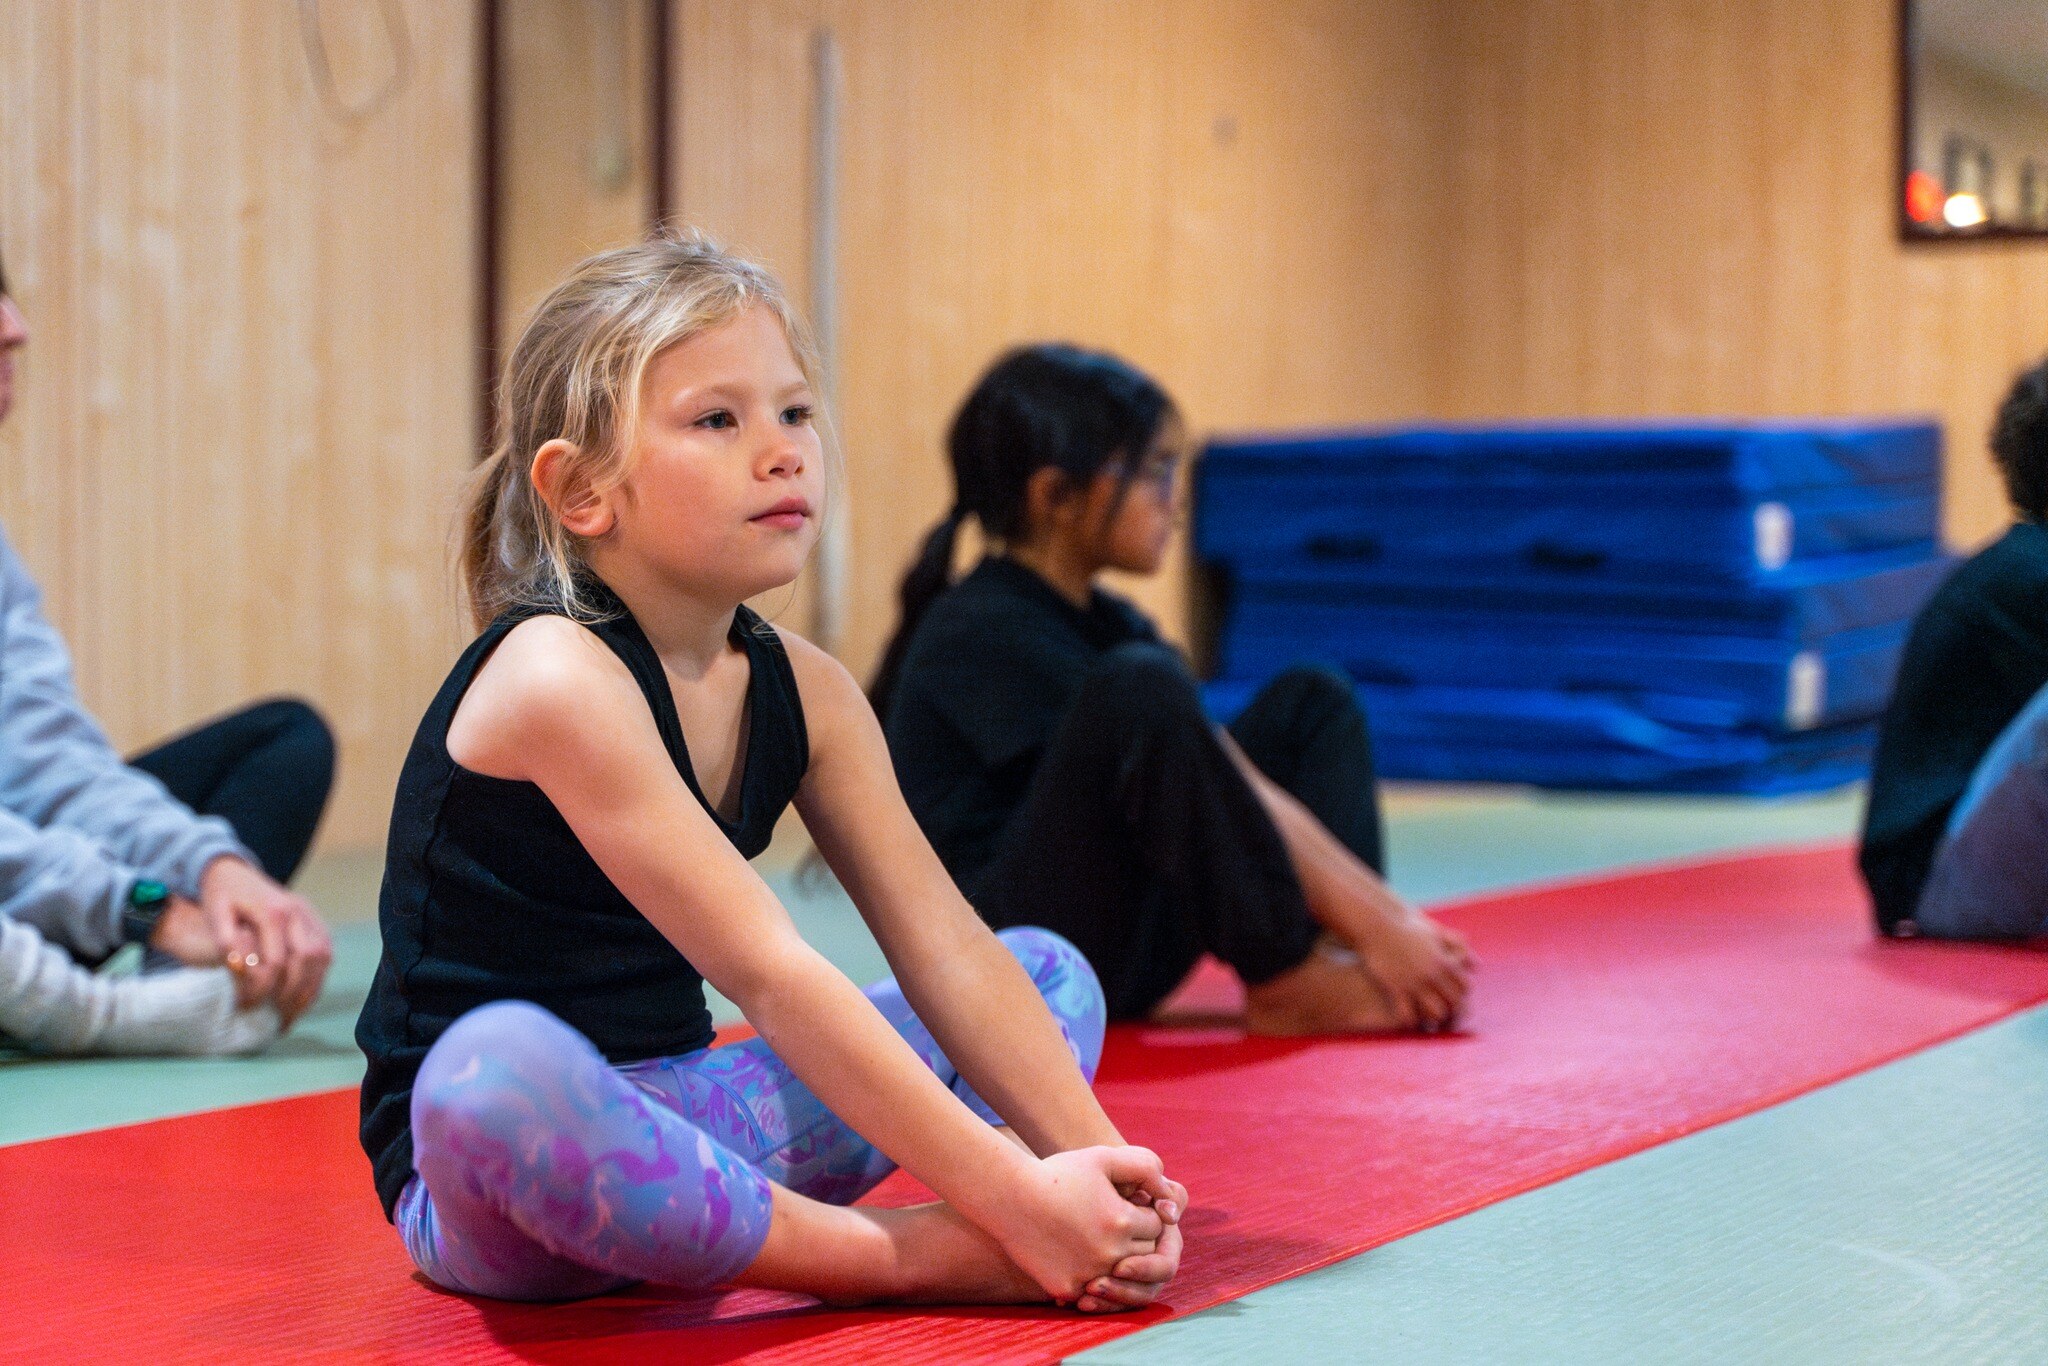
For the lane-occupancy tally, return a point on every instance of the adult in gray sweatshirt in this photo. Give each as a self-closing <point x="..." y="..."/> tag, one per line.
<point x="180" y="850"/>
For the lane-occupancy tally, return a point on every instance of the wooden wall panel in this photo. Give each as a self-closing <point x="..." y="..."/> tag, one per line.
<point x="1230" y="194"/>
<point x="1669" y="207"/>
<point x="740" y="146"/>
<point x="250" y="392"/>
<point x="575" y="172"/>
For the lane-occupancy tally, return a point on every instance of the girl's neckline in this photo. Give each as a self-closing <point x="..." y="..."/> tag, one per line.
<point x="669" y="721"/>
<point x="654" y="681"/>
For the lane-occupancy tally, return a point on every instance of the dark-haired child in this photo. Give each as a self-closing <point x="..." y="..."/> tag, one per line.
<point x="1955" y="843"/>
<point x="1057" y="755"/>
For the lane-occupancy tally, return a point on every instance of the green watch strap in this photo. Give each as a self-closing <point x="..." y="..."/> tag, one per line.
<point x="148" y="899"/>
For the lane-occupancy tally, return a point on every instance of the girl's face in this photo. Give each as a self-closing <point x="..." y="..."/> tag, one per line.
<point x="727" y="481"/>
<point x="1135" y="524"/>
<point x="13" y="336"/>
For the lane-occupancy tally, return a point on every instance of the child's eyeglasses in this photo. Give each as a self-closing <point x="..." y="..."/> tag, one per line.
<point x="1159" y="470"/>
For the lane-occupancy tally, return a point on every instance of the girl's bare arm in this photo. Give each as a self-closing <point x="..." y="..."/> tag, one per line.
<point x="968" y="990"/>
<point x="1424" y="967"/>
<point x="555" y="708"/>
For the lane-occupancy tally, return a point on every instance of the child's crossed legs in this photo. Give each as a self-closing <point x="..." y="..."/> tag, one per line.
<point x="544" y="1173"/>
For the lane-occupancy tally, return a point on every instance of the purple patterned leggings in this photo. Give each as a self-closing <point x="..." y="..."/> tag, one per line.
<point x="544" y="1173"/>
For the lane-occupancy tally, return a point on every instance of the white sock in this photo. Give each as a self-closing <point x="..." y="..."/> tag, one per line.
<point x="51" y="1004"/>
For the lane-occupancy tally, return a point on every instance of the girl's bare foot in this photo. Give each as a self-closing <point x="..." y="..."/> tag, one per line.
<point x="947" y="1260"/>
<point x="926" y="1254"/>
<point x="1330" y="993"/>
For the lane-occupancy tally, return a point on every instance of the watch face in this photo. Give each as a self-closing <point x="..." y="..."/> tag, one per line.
<point x="147" y="901"/>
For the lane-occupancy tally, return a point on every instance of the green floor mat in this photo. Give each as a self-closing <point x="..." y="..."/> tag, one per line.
<point x="1901" y="1215"/>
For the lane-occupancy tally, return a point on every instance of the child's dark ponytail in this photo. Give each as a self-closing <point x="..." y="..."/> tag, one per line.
<point x="930" y="574"/>
<point x="1051" y="404"/>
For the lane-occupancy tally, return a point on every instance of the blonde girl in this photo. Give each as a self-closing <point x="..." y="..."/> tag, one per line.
<point x="569" y="852"/>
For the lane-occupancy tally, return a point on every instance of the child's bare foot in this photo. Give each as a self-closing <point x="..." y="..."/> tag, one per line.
<point x="941" y="1258"/>
<point x="1330" y="993"/>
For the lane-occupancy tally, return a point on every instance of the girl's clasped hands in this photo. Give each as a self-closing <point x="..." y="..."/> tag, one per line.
<point x="1099" y="1228"/>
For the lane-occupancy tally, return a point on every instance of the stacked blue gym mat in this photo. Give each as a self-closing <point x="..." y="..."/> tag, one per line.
<point x="1715" y="608"/>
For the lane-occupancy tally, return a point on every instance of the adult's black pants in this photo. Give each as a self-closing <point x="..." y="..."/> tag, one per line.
<point x="1142" y="842"/>
<point x="266" y="770"/>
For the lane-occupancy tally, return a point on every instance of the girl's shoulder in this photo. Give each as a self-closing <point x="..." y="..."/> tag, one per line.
<point x="1123" y="617"/>
<point x="825" y="687"/>
<point x="1004" y="614"/>
<point x="996" y="604"/>
<point x="545" y="678"/>
<point x="832" y="714"/>
<point x="540" y="657"/>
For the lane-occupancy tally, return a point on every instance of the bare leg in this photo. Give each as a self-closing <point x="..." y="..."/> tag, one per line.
<point x="926" y="1254"/>
<point x="546" y="1174"/>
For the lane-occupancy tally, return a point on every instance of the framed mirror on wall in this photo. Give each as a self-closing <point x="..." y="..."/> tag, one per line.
<point x="1973" y="119"/>
<point x="575" y="154"/>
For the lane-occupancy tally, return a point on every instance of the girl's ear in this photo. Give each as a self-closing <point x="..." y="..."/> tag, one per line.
<point x="1046" y="496"/>
<point x="579" y="508"/>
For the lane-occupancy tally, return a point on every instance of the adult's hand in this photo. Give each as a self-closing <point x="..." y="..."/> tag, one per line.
<point x="182" y="931"/>
<point x="271" y="939"/>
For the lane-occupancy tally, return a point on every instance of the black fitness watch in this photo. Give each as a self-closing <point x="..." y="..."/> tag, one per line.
<point x="148" y="899"/>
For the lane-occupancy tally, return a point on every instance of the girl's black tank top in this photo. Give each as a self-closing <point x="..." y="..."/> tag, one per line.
<point x="489" y="896"/>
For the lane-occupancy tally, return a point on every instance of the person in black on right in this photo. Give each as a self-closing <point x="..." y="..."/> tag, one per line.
<point x="1056" y="753"/>
<point x="1955" y="843"/>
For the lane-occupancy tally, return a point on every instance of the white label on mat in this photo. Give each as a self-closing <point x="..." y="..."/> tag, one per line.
<point x="1773" y="535"/>
<point x="1806" y="690"/>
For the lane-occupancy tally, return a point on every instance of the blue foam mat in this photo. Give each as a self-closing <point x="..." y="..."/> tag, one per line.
<point x="1807" y="603"/>
<point x="1685" y="678"/>
<point x="1765" y="457"/>
<point x="1274" y="527"/>
<point x="1677" y="606"/>
<point x="1736" y="502"/>
<point x="1595" y="743"/>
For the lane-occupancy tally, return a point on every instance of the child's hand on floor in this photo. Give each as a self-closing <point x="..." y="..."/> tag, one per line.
<point x="1071" y="1225"/>
<point x="1453" y="943"/>
<point x="1423" y="968"/>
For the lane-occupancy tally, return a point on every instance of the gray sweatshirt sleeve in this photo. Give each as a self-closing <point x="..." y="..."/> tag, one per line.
<point x="53" y="1005"/>
<point x="77" y="825"/>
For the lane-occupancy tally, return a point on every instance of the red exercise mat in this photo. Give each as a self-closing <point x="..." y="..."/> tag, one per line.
<point x="1610" y="1016"/>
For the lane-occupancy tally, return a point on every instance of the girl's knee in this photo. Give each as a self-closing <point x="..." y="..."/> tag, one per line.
<point x="1038" y="949"/>
<point x="1069" y="986"/>
<point x="310" y="738"/>
<point x="516" y="1033"/>
<point x="489" y="1059"/>
<point x="292" y="720"/>
<point x="1318" y="685"/>
<point x="1306" y="698"/>
<point x="1141" y="685"/>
